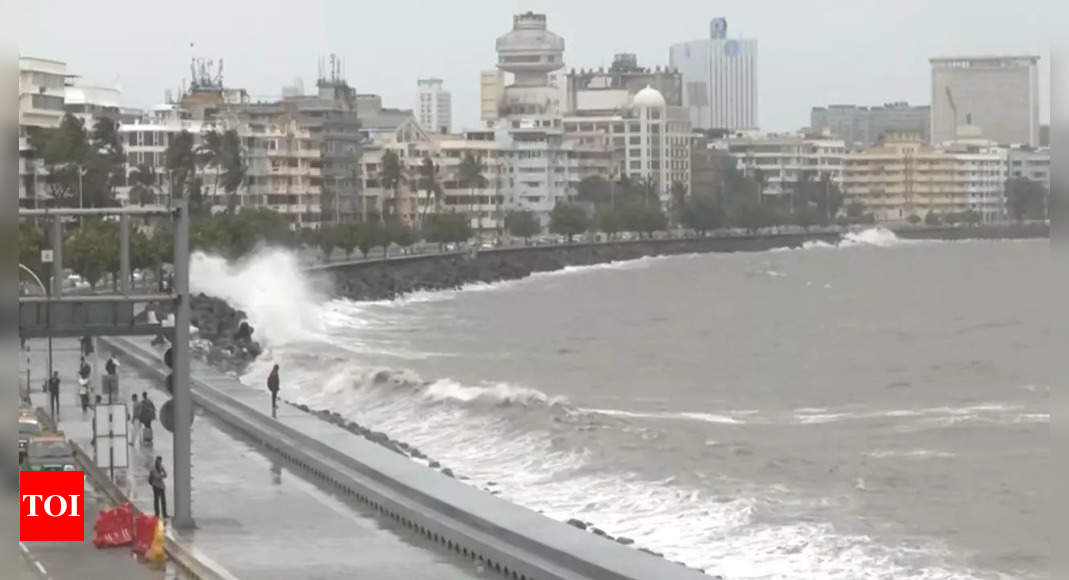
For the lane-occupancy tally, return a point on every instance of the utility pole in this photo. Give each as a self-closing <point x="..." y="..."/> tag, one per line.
<point x="183" y="403"/>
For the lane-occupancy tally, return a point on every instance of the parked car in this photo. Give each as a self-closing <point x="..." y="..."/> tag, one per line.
<point x="49" y="452"/>
<point x="28" y="427"/>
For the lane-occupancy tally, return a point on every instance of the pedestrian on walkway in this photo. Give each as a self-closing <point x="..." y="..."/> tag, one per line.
<point x="84" y="371"/>
<point x="87" y="345"/>
<point x="156" y="475"/>
<point x="135" y="420"/>
<point x="112" y="366"/>
<point x="272" y="385"/>
<point x="147" y="414"/>
<point x="53" y="395"/>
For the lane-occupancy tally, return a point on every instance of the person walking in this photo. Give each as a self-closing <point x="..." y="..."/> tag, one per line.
<point x="84" y="371"/>
<point x="147" y="414"/>
<point x="135" y="420"/>
<point x="53" y="395"/>
<point x="87" y="345"/>
<point x="272" y="385"/>
<point x="156" y="475"/>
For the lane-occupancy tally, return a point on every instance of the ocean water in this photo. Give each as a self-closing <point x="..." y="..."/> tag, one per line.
<point x="875" y="409"/>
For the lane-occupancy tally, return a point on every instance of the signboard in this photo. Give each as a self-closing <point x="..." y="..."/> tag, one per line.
<point x="46" y="256"/>
<point x="110" y="445"/>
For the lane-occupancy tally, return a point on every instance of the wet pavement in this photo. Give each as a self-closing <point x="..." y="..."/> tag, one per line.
<point x="255" y="517"/>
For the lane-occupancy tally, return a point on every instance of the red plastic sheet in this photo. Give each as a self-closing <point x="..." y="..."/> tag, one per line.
<point x="144" y="530"/>
<point x="114" y="527"/>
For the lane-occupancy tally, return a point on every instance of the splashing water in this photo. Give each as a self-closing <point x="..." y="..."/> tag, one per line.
<point x="268" y="286"/>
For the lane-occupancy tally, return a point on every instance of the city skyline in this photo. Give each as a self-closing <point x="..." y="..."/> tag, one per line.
<point x="800" y="65"/>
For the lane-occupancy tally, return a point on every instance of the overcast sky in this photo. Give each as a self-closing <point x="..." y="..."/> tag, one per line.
<point x="809" y="52"/>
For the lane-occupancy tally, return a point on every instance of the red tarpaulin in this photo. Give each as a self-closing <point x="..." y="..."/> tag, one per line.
<point x="114" y="526"/>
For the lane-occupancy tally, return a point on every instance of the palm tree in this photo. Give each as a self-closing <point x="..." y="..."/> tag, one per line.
<point x="210" y="154"/>
<point x="391" y="175"/>
<point x="143" y="180"/>
<point x="470" y="173"/>
<point x="428" y="182"/>
<point x="232" y="165"/>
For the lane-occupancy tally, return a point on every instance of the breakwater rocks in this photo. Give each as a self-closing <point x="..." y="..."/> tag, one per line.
<point x="230" y="345"/>
<point x="410" y="451"/>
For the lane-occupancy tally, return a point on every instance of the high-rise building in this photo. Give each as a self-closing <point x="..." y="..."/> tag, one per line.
<point x="719" y="79"/>
<point x="491" y="90"/>
<point x="543" y="165"/>
<point x="435" y="108"/>
<point x="588" y="89"/>
<point x="992" y="97"/>
<point x="860" y="127"/>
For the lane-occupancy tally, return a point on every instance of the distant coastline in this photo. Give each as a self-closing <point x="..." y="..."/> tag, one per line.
<point x="395" y="277"/>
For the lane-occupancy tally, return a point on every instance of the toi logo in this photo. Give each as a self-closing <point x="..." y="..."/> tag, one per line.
<point x="51" y="506"/>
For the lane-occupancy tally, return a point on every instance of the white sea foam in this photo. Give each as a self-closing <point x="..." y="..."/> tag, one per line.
<point x="705" y="417"/>
<point x="909" y="454"/>
<point x="500" y="393"/>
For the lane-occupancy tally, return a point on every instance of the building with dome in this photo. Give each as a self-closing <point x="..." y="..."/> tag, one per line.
<point x="650" y="139"/>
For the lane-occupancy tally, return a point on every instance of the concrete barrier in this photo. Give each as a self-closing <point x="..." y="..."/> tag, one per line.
<point x="508" y="539"/>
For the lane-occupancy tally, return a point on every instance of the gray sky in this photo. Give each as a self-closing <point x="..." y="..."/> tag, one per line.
<point x="809" y="53"/>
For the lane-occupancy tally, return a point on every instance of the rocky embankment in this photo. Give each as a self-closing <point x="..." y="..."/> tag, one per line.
<point x="224" y="336"/>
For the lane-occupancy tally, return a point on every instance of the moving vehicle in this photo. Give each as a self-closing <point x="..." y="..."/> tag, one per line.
<point x="28" y="427"/>
<point x="49" y="452"/>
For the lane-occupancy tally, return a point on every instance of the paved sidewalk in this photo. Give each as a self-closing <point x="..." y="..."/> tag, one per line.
<point x="255" y="517"/>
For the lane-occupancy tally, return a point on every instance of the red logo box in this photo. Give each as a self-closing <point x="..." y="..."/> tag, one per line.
<point x="51" y="506"/>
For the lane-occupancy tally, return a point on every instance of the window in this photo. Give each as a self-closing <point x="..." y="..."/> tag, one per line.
<point x="47" y="102"/>
<point x="635" y="140"/>
<point x="618" y="141"/>
<point x="635" y="153"/>
<point x="618" y="128"/>
<point x="634" y="126"/>
<point x="635" y="164"/>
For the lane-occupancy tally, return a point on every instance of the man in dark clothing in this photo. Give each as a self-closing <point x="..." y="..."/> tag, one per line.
<point x="111" y="367"/>
<point x="156" y="475"/>
<point x="53" y="394"/>
<point x="147" y="412"/>
<point x="87" y="345"/>
<point x="272" y="385"/>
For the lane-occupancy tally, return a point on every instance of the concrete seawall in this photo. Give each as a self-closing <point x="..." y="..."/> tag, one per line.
<point x="509" y="539"/>
<point x="386" y="279"/>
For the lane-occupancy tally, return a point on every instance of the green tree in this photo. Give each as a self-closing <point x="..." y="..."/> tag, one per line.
<point x="105" y="164"/>
<point x="855" y="210"/>
<point x="92" y="250"/>
<point x="972" y="217"/>
<point x="569" y="219"/>
<point x="64" y="152"/>
<point x="470" y="175"/>
<point x="31" y="242"/>
<point x="234" y="236"/>
<point x="678" y="193"/>
<point x="636" y="216"/>
<point x="754" y="215"/>
<point x="143" y="185"/>
<point x="914" y="219"/>
<point x="326" y="240"/>
<point x="932" y="219"/>
<point x="391" y="175"/>
<point x="1026" y="199"/>
<point x="523" y="224"/>
<point x="400" y="234"/>
<point x="233" y="167"/>
<point x="608" y="220"/>
<point x="448" y="227"/>
<point x="594" y="189"/>
<point x="181" y="164"/>
<point x="701" y="213"/>
<point x="428" y="182"/>
<point x="209" y="154"/>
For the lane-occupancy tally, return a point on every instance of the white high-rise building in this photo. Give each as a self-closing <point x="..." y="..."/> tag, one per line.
<point x="719" y="79"/>
<point x="435" y="108"/>
<point x="994" y="98"/>
<point x="41" y="99"/>
<point x="491" y="90"/>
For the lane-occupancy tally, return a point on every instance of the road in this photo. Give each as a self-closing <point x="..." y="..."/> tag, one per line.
<point x="83" y="561"/>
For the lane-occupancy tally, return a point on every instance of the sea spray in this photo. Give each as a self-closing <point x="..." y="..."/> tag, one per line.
<point x="268" y="286"/>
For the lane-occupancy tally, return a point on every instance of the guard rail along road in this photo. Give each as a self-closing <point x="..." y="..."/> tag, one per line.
<point x="506" y="538"/>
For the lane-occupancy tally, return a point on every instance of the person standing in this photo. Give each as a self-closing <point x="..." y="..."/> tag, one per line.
<point x="272" y="385"/>
<point x="87" y="345"/>
<point x="156" y="475"/>
<point x="53" y="395"/>
<point x="112" y="366"/>
<point x="135" y="420"/>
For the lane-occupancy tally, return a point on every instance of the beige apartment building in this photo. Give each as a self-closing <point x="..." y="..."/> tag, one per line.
<point x="905" y="177"/>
